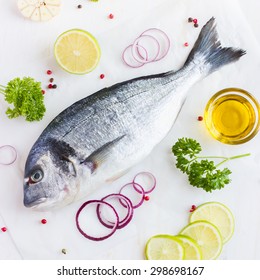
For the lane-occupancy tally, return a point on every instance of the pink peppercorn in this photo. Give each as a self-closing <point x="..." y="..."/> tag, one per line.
<point x="146" y="198"/>
<point x="44" y="221"/>
<point x="43" y="91"/>
<point x="193" y="208"/>
<point x="102" y="76"/>
<point x="186" y="44"/>
<point x="49" y="85"/>
<point x="200" y="118"/>
<point x="49" y="72"/>
<point x="3" y="229"/>
<point x="111" y="16"/>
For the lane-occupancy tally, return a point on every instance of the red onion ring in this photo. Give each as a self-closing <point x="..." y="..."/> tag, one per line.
<point x="140" y="191"/>
<point x="136" y="53"/>
<point x="92" y="237"/>
<point x="119" y="223"/>
<point x="165" y="41"/>
<point x="128" y="217"/>
<point x="142" y="57"/>
<point x="145" y="174"/>
<point x="14" y="152"/>
<point x="127" y="55"/>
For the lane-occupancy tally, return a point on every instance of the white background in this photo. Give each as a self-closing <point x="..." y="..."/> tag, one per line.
<point x="26" y="49"/>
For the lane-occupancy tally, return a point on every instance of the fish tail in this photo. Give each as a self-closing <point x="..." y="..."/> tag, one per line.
<point x="207" y="50"/>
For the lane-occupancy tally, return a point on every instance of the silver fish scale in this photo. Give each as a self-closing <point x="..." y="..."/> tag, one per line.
<point x="124" y="109"/>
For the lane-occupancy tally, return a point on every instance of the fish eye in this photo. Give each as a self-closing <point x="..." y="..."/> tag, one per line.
<point x="36" y="176"/>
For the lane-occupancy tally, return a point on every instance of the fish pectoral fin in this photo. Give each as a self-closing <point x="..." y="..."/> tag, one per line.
<point x="101" y="154"/>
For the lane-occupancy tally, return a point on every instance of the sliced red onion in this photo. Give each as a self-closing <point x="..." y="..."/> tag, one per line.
<point x="128" y="58"/>
<point x="142" y="52"/>
<point x="146" y="180"/>
<point x="11" y="157"/>
<point x="123" y="221"/>
<point x="123" y="200"/>
<point x="161" y="37"/>
<point x="100" y="238"/>
<point x="149" y="44"/>
<point x="136" y="187"/>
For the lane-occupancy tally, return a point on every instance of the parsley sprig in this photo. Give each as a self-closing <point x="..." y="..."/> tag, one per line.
<point x="26" y="97"/>
<point x="202" y="172"/>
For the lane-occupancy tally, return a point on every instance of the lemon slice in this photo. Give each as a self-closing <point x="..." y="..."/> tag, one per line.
<point x="207" y="236"/>
<point x="77" y="51"/>
<point x="217" y="214"/>
<point x="191" y="248"/>
<point x="164" y="247"/>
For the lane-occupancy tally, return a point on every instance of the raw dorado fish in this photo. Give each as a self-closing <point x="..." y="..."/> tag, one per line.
<point x="101" y="136"/>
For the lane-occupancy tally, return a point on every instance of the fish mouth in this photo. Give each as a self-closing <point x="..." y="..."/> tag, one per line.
<point x="34" y="204"/>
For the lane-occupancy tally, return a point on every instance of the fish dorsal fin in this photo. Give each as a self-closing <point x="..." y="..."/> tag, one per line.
<point x="100" y="155"/>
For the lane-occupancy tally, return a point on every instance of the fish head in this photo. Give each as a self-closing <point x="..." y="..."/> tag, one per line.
<point x="50" y="177"/>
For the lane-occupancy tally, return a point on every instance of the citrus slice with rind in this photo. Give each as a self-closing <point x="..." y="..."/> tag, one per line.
<point x="191" y="248"/>
<point x="164" y="247"/>
<point x="77" y="51"/>
<point x="39" y="10"/>
<point x="219" y="215"/>
<point x="207" y="236"/>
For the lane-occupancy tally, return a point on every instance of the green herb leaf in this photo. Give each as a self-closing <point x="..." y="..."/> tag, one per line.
<point x="186" y="147"/>
<point x="205" y="175"/>
<point x="201" y="173"/>
<point x="26" y="97"/>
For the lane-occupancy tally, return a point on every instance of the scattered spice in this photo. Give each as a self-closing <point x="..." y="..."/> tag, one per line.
<point x="102" y="76"/>
<point x="43" y="91"/>
<point x="111" y="16"/>
<point x="200" y="118"/>
<point x="44" y="221"/>
<point x="186" y="44"/>
<point x="64" y="251"/>
<point x="194" y="20"/>
<point x="51" y="80"/>
<point x="193" y="208"/>
<point x="79" y="6"/>
<point x="147" y="198"/>
<point x="3" y="229"/>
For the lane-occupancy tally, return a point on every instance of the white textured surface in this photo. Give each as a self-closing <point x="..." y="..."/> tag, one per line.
<point x="26" y="50"/>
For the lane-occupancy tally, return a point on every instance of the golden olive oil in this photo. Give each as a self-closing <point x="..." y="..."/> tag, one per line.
<point x="232" y="117"/>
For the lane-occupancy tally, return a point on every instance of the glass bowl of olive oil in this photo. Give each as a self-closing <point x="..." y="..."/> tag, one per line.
<point x="232" y="116"/>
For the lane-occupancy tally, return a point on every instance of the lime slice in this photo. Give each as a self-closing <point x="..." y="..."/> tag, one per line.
<point x="77" y="51"/>
<point x="207" y="237"/>
<point x="164" y="247"/>
<point x="217" y="214"/>
<point x="191" y="248"/>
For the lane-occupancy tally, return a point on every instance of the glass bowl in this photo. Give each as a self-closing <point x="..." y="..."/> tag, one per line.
<point x="232" y="116"/>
